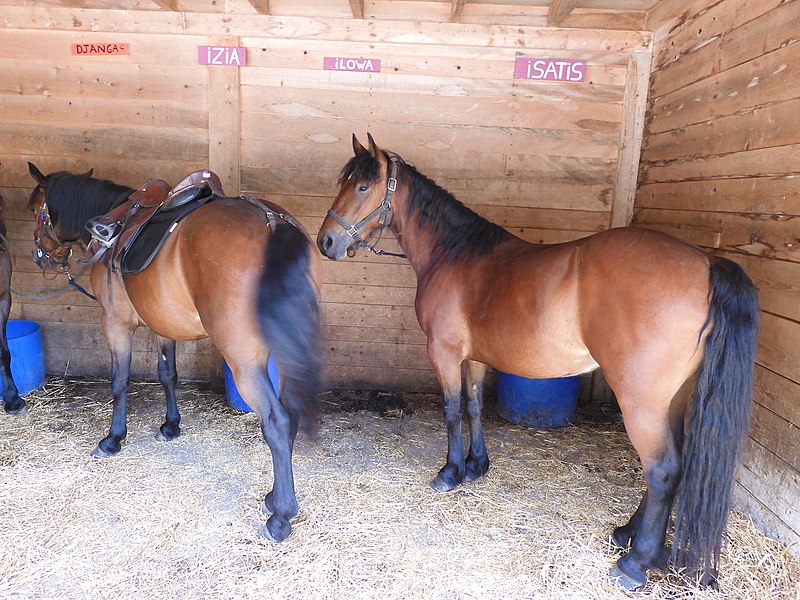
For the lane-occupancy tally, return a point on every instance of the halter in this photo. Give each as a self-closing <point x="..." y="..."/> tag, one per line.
<point x="383" y="214"/>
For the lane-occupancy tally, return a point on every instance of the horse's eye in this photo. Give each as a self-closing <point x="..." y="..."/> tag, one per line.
<point x="362" y="188"/>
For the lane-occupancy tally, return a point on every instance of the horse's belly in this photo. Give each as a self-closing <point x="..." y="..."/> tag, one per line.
<point x="535" y="356"/>
<point x="164" y="311"/>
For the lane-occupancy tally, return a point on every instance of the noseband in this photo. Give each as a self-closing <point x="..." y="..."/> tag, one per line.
<point x="383" y="214"/>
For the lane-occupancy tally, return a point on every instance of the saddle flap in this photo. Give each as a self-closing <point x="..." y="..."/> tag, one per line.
<point x="152" y="193"/>
<point x="193" y="186"/>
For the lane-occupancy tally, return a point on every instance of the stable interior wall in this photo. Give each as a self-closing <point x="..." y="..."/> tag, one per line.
<point x="720" y="168"/>
<point x="551" y="161"/>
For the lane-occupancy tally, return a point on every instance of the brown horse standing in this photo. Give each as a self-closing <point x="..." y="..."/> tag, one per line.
<point x="245" y="277"/>
<point x="12" y="403"/>
<point x="655" y="313"/>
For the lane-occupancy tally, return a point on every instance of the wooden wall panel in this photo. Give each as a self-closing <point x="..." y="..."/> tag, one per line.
<point x="541" y="158"/>
<point x="719" y="168"/>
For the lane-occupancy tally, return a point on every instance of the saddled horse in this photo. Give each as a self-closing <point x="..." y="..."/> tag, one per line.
<point x="240" y="271"/>
<point x="12" y="403"/>
<point x="662" y="319"/>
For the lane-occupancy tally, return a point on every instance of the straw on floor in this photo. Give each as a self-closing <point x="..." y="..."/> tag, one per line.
<point x="180" y="519"/>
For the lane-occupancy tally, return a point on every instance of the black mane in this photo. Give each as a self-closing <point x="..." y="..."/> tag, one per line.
<point x="74" y="199"/>
<point x="462" y="233"/>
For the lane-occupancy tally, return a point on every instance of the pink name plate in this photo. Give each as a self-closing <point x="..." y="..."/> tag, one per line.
<point x="549" y="69"/>
<point x="229" y="56"/>
<point x="362" y="65"/>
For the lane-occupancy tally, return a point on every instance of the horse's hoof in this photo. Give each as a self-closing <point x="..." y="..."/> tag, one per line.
<point x="276" y="529"/>
<point x="263" y="531"/>
<point x="16" y="409"/>
<point x="98" y="452"/>
<point x="625" y="581"/>
<point x="166" y="433"/>
<point x="440" y="485"/>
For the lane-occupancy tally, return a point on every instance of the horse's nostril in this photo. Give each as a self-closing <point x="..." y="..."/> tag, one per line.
<point x="325" y="243"/>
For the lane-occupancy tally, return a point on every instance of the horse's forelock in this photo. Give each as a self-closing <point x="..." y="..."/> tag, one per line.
<point x="362" y="167"/>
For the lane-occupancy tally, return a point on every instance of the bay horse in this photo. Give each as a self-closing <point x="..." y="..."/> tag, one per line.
<point x="661" y="317"/>
<point x="246" y="277"/>
<point x="12" y="403"/>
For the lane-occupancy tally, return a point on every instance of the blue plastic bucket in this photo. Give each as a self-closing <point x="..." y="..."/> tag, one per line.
<point x="235" y="401"/>
<point x="27" y="356"/>
<point x="542" y="403"/>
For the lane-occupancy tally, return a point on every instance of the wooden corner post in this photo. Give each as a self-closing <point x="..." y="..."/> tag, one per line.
<point x="634" y="106"/>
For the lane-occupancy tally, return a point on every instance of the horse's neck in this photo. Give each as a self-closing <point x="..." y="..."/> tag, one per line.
<point x="418" y="243"/>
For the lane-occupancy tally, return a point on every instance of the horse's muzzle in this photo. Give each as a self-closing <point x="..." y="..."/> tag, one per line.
<point x="335" y="247"/>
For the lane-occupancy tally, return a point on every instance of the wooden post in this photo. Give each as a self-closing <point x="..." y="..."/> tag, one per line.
<point x="224" y="126"/>
<point x="634" y="105"/>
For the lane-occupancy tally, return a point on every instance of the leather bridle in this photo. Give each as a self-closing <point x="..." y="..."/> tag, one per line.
<point x="56" y="259"/>
<point x="383" y="213"/>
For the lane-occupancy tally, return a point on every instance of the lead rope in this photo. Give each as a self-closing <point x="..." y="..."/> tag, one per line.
<point x="71" y="283"/>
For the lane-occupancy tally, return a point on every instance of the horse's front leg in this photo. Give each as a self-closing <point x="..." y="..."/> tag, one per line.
<point x="478" y="460"/>
<point x="168" y="376"/>
<point x="119" y="321"/>
<point x="119" y="342"/>
<point x="448" y="371"/>
<point x="13" y="404"/>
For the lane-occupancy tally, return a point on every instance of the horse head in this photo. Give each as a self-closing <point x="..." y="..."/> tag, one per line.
<point x="53" y="248"/>
<point x="363" y="204"/>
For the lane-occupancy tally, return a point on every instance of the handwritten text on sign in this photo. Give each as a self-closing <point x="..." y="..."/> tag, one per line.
<point x="99" y="49"/>
<point x="230" y="56"/>
<point x="549" y="69"/>
<point x="369" y="65"/>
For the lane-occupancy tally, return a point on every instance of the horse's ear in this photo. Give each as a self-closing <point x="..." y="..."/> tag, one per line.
<point x="36" y="173"/>
<point x="357" y="147"/>
<point x="87" y="174"/>
<point x="373" y="147"/>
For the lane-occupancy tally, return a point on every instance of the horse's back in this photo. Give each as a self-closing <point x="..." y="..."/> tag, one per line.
<point x="204" y="280"/>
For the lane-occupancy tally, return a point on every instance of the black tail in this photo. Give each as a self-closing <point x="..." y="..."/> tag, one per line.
<point x="289" y="315"/>
<point x="719" y="419"/>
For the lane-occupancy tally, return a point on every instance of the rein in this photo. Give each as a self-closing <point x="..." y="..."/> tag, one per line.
<point x="383" y="213"/>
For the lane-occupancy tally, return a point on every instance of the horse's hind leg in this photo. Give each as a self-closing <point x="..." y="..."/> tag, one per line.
<point x="653" y="437"/>
<point x="279" y="429"/>
<point x="624" y="535"/>
<point x="478" y="459"/>
<point x="168" y="376"/>
<point x="13" y="404"/>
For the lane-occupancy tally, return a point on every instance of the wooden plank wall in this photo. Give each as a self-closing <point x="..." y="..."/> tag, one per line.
<point x="720" y="168"/>
<point x="550" y="161"/>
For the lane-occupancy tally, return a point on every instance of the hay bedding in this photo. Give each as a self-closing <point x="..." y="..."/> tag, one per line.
<point x="179" y="519"/>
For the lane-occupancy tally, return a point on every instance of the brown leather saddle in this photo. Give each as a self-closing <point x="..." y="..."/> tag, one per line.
<point x="128" y="237"/>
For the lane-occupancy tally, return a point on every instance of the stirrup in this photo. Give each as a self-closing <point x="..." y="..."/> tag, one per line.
<point x="104" y="230"/>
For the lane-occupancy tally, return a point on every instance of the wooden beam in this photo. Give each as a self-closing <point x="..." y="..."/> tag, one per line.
<point x="634" y="104"/>
<point x="357" y="8"/>
<point x="224" y="126"/>
<point x="456" y="8"/>
<point x="559" y="10"/>
<point x="261" y="6"/>
<point x="168" y="4"/>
